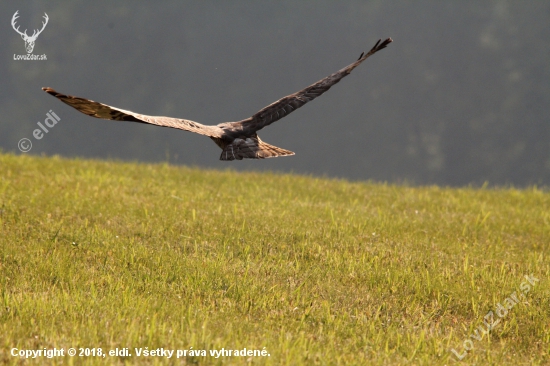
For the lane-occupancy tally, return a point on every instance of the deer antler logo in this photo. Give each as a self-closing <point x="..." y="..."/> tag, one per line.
<point x="29" y="41"/>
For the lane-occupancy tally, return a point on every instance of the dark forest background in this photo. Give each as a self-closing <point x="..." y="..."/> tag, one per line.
<point x="461" y="97"/>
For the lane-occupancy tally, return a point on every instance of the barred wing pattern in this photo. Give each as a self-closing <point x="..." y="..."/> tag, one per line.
<point x="283" y="107"/>
<point x="103" y="111"/>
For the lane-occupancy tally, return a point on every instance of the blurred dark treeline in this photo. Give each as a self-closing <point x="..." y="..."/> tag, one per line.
<point x="461" y="97"/>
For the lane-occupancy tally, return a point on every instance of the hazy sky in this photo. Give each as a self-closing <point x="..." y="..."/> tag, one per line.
<point x="461" y="96"/>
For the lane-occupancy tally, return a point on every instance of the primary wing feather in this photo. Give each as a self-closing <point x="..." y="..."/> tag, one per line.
<point x="99" y="110"/>
<point x="283" y="107"/>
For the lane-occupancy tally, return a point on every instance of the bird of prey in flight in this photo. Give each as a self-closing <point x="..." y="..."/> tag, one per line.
<point x="238" y="140"/>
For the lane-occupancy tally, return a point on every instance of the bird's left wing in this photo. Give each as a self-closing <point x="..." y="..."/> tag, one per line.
<point x="99" y="110"/>
<point x="283" y="107"/>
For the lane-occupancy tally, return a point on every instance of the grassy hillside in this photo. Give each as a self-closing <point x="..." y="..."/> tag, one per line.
<point x="317" y="271"/>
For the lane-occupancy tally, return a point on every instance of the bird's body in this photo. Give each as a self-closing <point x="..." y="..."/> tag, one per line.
<point x="238" y="140"/>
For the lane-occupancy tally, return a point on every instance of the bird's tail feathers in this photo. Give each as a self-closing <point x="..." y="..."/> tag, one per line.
<point x="251" y="148"/>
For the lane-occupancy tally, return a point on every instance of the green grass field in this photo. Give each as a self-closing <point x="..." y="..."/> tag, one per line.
<point x="110" y="255"/>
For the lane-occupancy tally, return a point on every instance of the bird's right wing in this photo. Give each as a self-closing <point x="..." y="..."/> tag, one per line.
<point x="99" y="110"/>
<point x="281" y="108"/>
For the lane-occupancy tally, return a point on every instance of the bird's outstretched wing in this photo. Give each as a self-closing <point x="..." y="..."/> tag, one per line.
<point x="99" y="110"/>
<point x="283" y="107"/>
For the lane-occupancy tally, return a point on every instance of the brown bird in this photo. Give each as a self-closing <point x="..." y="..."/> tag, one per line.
<point x="238" y="140"/>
